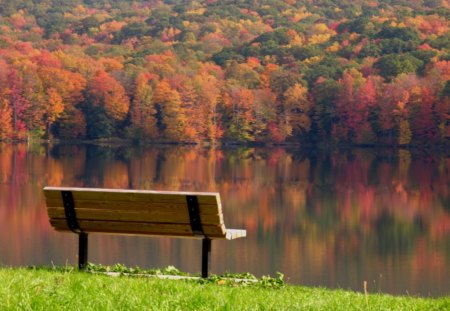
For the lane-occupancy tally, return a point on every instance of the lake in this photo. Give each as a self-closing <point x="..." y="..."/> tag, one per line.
<point x="322" y="218"/>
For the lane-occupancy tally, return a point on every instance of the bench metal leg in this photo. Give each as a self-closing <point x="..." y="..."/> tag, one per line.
<point x="206" y="257"/>
<point x="82" y="250"/>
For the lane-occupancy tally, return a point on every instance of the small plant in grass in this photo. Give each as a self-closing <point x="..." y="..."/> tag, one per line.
<point x="122" y="269"/>
<point x="245" y="279"/>
<point x="268" y="281"/>
<point x="231" y="279"/>
<point x="170" y="270"/>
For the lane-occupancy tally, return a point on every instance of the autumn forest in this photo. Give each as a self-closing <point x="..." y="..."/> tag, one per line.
<point x="363" y="72"/>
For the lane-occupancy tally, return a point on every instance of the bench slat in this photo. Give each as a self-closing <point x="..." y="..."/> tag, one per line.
<point x="164" y="215"/>
<point x="132" y="195"/>
<point x="139" y="228"/>
<point x="205" y="209"/>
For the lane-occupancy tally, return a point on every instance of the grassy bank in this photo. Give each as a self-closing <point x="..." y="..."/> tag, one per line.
<point x="67" y="289"/>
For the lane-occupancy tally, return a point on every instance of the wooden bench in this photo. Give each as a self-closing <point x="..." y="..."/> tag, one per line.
<point x="138" y="212"/>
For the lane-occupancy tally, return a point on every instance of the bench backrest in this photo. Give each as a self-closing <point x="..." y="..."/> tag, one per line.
<point x="160" y="213"/>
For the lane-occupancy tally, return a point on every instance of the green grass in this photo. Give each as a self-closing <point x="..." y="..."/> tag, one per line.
<point x="68" y="289"/>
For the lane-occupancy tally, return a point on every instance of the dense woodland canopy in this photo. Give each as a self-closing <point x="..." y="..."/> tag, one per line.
<point x="309" y="71"/>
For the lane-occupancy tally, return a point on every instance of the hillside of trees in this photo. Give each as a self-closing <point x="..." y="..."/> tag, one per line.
<point x="250" y="71"/>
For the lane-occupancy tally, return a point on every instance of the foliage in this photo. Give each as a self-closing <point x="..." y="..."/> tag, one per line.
<point x="143" y="68"/>
<point x="392" y="65"/>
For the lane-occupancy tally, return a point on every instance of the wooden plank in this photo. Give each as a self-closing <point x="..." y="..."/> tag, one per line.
<point x="132" y="195"/>
<point x="134" y="206"/>
<point x="59" y="224"/>
<point x="214" y="231"/>
<point x="154" y="216"/>
<point x="139" y="228"/>
<point x="126" y="227"/>
<point x="148" y="228"/>
<point x="82" y="189"/>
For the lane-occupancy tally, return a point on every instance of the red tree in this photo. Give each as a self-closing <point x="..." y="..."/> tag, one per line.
<point x="18" y="104"/>
<point x="107" y="92"/>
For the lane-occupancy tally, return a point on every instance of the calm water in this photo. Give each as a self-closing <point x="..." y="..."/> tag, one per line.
<point x="328" y="219"/>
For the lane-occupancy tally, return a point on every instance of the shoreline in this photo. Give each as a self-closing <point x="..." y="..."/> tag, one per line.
<point x="230" y="144"/>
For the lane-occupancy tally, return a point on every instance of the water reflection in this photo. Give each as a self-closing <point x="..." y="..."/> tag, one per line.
<point x="332" y="219"/>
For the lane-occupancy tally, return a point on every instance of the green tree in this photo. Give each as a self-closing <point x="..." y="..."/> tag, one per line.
<point x="392" y="65"/>
<point x="242" y="115"/>
<point x="324" y="94"/>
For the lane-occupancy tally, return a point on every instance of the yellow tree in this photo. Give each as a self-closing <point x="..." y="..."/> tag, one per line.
<point x="404" y="135"/>
<point x="208" y="88"/>
<point x="265" y="114"/>
<point x="59" y="88"/>
<point x="171" y="119"/>
<point x="6" y="129"/>
<point x="69" y="85"/>
<point x="191" y="106"/>
<point x="142" y="111"/>
<point x="296" y="106"/>
<point x="55" y="107"/>
<point x="320" y="33"/>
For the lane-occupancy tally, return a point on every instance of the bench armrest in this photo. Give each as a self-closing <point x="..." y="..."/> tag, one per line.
<point x="232" y="234"/>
